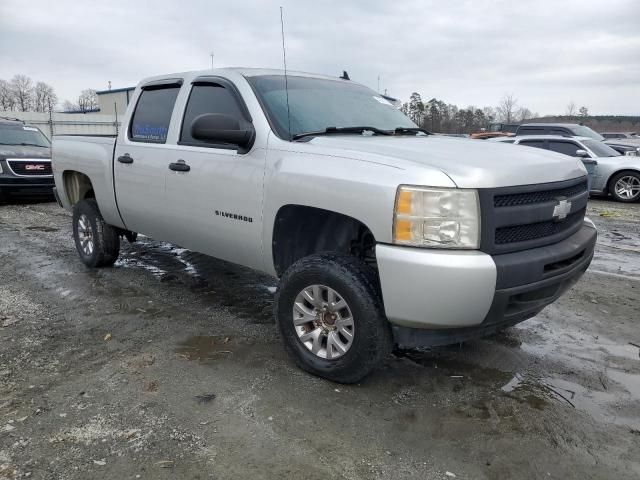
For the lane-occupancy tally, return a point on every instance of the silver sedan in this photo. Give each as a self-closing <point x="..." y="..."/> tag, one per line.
<point x="614" y="174"/>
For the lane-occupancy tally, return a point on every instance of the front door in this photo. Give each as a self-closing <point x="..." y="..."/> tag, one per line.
<point x="215" y="199"/>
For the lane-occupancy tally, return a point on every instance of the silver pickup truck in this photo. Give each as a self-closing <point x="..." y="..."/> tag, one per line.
<point x="381" y="234"/>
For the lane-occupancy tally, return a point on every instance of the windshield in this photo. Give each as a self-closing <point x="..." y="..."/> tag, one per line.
<point x="22" y="135"/>
<point x="600" y="149"/>
<point x="316" y="104"/>
<point x="582" y="131"/>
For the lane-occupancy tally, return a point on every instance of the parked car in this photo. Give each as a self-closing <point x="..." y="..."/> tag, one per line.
<point x="25" y="160"/>
<point x="503" y="127"/>
<point x="496" y="130"/>
<point x="611" y="173"/>
<point x="625" y="147"/>
<point x="380" y="233"/>
<point x="614" y="135"/>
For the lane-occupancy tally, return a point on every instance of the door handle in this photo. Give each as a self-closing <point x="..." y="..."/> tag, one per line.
<point x="125" y="158"/>
<point x="179" y="166"/>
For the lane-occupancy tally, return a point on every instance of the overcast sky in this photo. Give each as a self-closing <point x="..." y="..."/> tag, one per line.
<point x="547" y="53"/>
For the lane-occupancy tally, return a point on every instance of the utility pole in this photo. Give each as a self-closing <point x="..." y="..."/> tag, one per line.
<point x="211" y="55"/>
<point x="378" y="83"/>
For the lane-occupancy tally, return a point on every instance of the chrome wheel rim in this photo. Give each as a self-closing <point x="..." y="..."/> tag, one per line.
<point x="323" y="321"/>
<point x="85" y="235"/>
<point x="628" y="187"/>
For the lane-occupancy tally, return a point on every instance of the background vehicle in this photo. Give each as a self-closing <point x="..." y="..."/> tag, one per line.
<point x="496" y="130"/>
<point x="622" y="146"/>
<point x="610" y="135"/>
<point x="379" y="232"/>
<point x="25" y="160"/>
<point x="610" y="172"/>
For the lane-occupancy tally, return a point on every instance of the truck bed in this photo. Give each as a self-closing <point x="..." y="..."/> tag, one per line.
<point x="91" y="155"/>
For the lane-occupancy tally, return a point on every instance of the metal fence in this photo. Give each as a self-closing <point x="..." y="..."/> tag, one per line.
<point x="68" y="123"/>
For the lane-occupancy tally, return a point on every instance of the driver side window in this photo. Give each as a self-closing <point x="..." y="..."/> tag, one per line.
<point x="208" y="98"/>
<point x="567" y="148"/>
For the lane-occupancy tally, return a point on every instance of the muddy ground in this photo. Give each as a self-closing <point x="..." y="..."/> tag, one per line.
<point x="169" y="366"/>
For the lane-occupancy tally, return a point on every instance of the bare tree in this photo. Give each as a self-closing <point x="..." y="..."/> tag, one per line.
<point x="524" y="114"/>
<point x="22" y="88"/>
<point x="584" y="111"/>
<point x="7" y="100"/>
<point x="571" y="109"/>
<point x="490" y="113"/>
<point x="44" y="97"/>
<point x="88" y="100"/>
<point x="506" y="109"/>
<point x="68" y="106"/>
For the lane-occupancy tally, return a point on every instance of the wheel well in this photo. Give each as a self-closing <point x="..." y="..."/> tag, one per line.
<point x="615" y="174"/>
<point x="300" y="231"/>
<point x="77" y="186"/>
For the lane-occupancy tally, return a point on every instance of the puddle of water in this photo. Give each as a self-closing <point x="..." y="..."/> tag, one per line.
<point x="512" y="384"/>
<point x="601" y="360"/>
<point x="205" y="348"/>
<point x="42" y="229"/>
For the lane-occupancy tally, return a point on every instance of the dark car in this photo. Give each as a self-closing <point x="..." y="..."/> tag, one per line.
<point x="622" y="146"/>
<point x="25" y="160"/>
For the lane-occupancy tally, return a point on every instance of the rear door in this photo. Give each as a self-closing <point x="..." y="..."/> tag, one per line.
<point x="216" y="206"/>
<point x="140" y="161"/>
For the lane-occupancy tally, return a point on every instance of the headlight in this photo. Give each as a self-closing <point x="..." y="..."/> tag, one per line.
<point x="437" y="217"/>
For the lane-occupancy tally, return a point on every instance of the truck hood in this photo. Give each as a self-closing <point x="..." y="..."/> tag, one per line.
<point x="469" y="163"/>
<point x="20" y="151"/>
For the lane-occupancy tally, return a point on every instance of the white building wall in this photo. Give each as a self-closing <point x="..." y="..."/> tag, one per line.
<point x="68" y="123"/>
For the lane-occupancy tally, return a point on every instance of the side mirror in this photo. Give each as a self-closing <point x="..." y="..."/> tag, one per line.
<point x="582" y="153"/>
<point x="221" y="128"/>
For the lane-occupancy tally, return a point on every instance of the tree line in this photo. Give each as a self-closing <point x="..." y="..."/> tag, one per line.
<point x="22" y="94"/>
<point x="438" y="116"/>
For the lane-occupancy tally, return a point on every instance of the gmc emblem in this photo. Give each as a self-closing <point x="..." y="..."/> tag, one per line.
<point x="34" y="167"/>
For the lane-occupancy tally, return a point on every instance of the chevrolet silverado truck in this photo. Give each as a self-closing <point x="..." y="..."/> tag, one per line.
<point x="25" y="161"/>
<point x="380" y="233"/>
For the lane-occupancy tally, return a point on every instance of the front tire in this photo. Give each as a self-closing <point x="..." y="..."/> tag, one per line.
<point x="329" y="313"/>
<point x="97" y="242"/>
<point x="625" y="186"/>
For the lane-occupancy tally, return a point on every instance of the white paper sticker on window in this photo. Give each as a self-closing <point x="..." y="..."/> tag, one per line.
<point x="31" y="129"/>
<point x="383" y="101"/>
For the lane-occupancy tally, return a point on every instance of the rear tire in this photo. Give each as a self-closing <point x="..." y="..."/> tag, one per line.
<point x="625" y="186"/>
<point x="330" y="315"/>
<point x="98" y="243"/>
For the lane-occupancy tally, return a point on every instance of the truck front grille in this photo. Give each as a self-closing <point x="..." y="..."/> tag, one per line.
<point x="531" y="216"/>
<point x="30" y="168"/>
<point x="537" y="197"/>
<point x="532" y="231"/>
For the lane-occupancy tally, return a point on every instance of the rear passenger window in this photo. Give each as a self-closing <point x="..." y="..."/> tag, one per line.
<point x="151" y="118"/>
<point x="567" y="148"/>
<point x="208" y="98"/>
<point x="530" y="131"/>
<point x="533" y="143"/>
<point x="558" y="131"/>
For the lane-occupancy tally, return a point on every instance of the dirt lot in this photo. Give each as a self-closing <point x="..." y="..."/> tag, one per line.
<point x="169" y="366"/>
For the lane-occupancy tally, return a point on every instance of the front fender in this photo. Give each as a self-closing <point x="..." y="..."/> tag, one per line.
<point x="361" y="189"/>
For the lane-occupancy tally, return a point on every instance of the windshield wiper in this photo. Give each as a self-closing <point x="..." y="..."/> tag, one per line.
<point x="333" y="130"/>
<point x="411" y="131"/>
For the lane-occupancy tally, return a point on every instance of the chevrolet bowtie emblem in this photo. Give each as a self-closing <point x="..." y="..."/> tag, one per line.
<point x="561" y="210"/>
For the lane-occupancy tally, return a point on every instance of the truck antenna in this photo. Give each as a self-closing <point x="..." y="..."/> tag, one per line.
<point x="286" y="82"/>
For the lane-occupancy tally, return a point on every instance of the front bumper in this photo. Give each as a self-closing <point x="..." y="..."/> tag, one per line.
<point x="26" y="186"/>
<point x="440" y="297"/>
